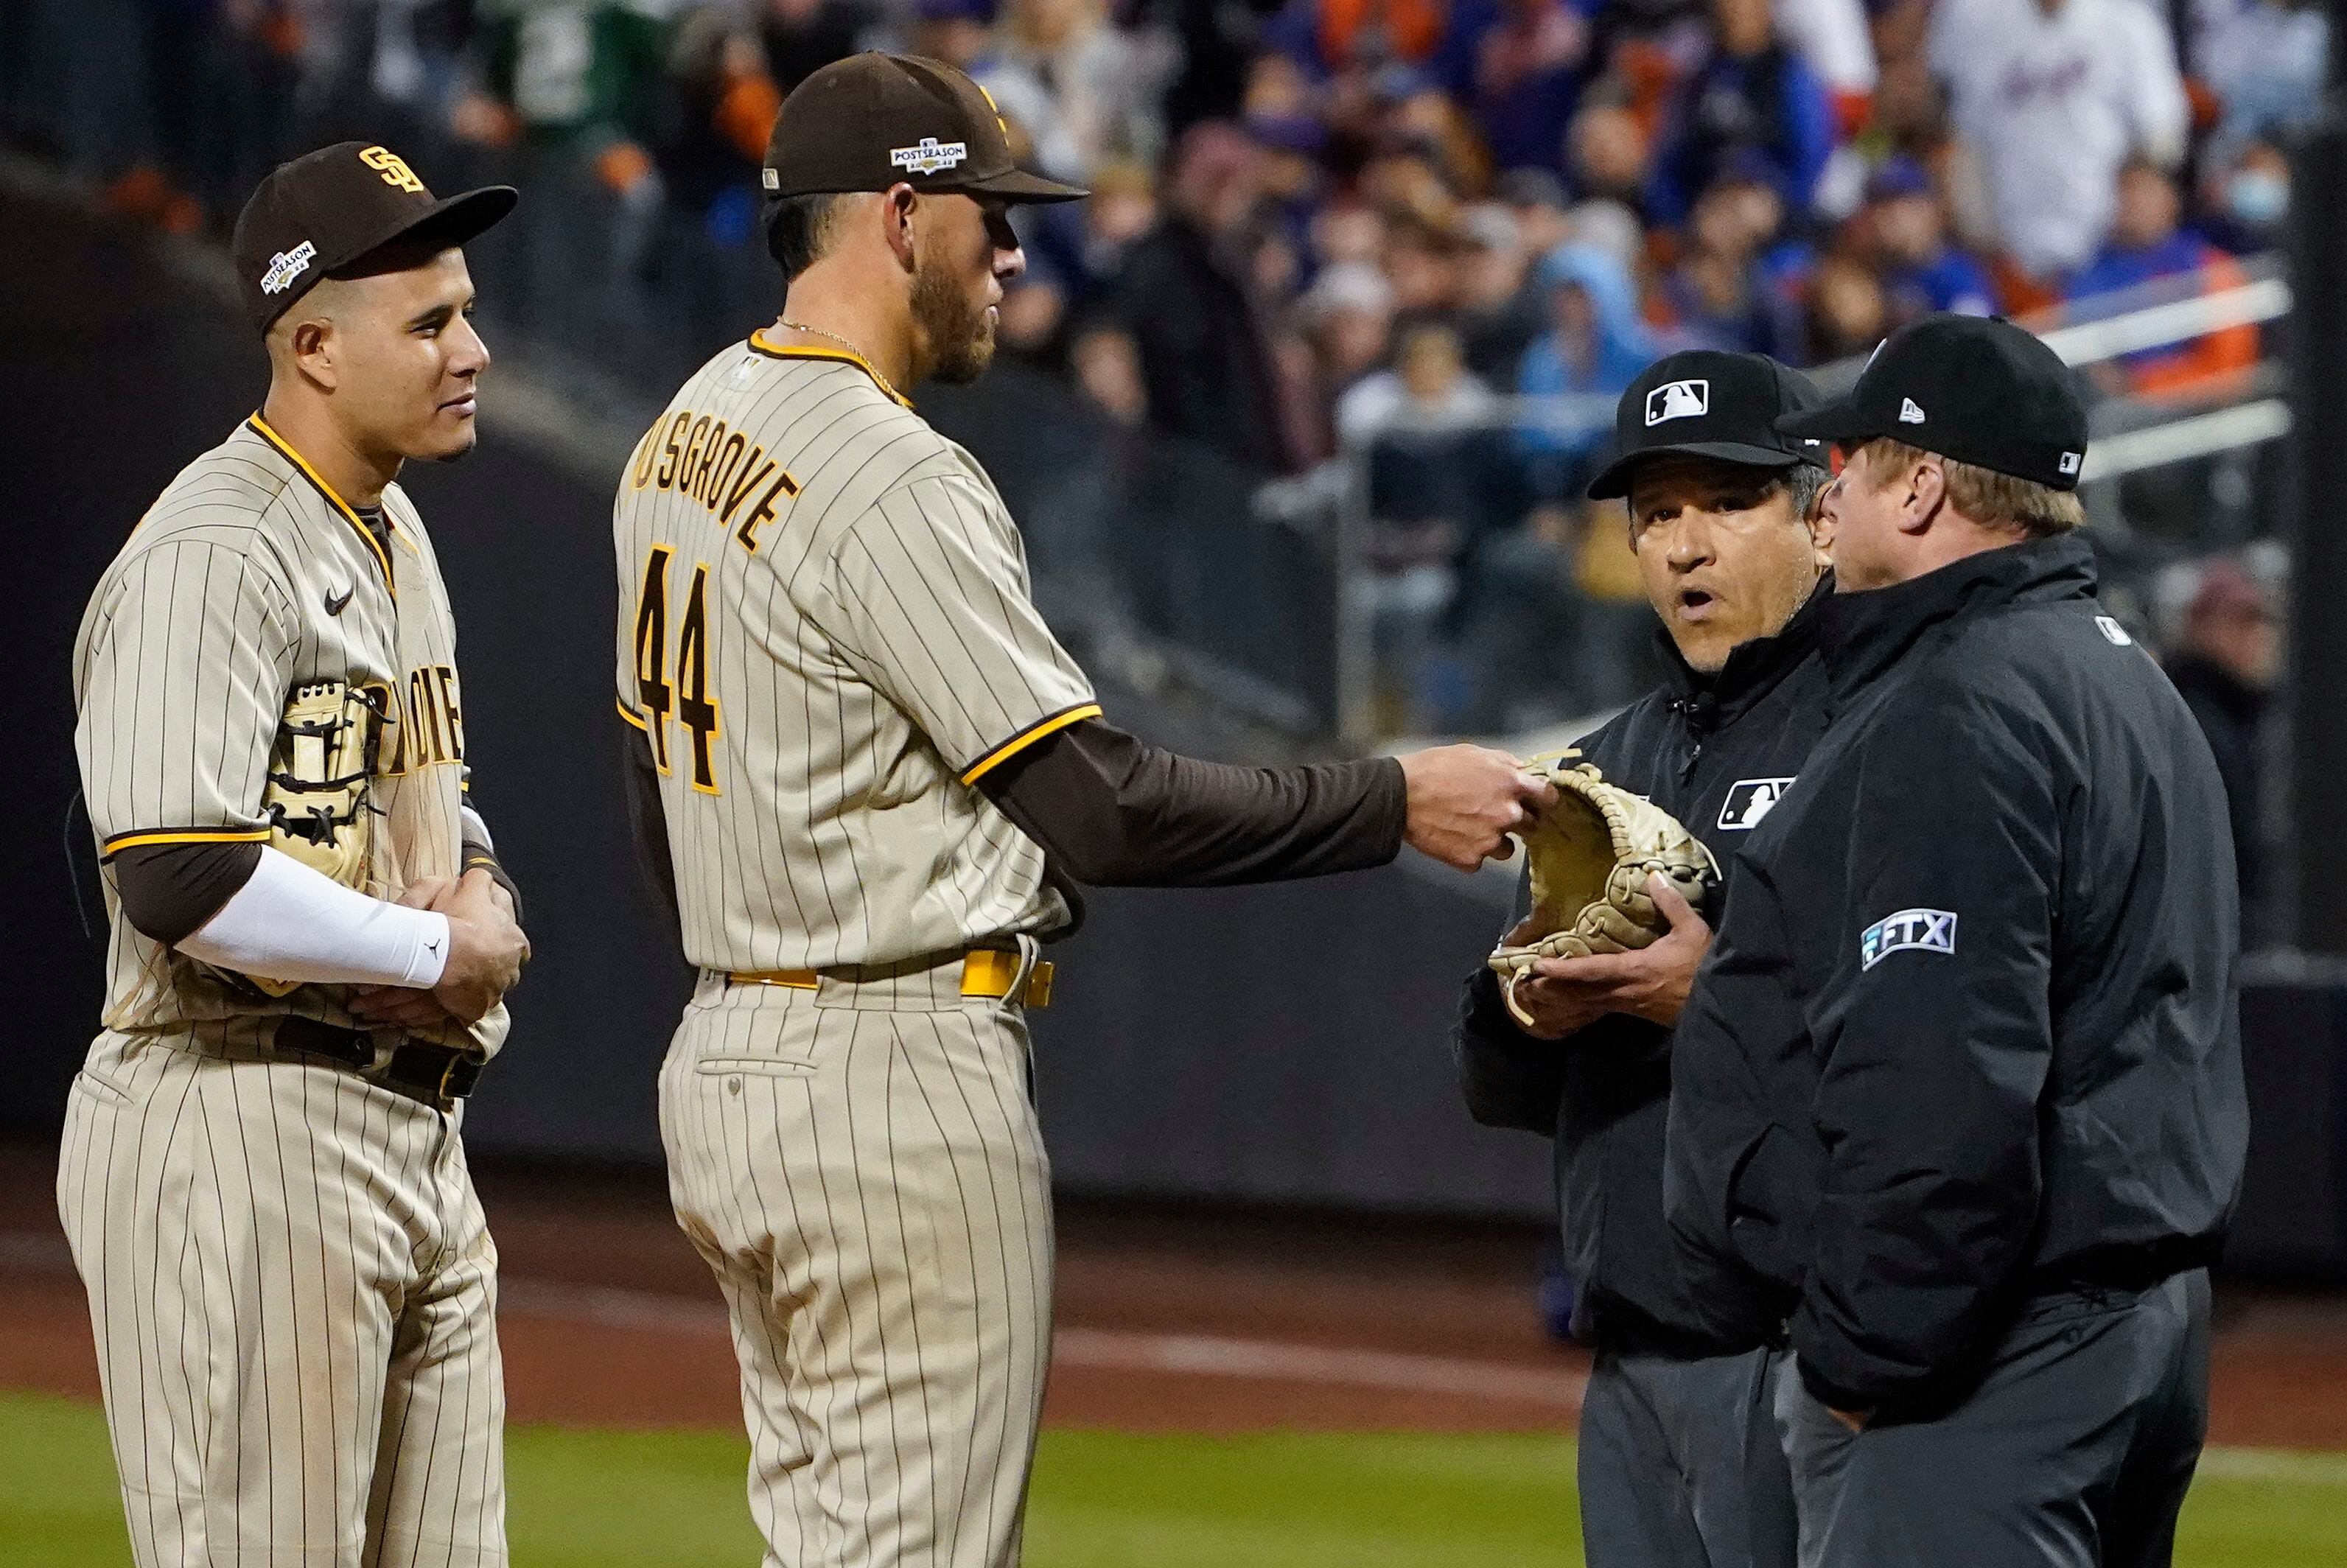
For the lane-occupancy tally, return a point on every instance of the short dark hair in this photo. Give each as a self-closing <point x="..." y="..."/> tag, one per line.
<point x="798" y="230"/>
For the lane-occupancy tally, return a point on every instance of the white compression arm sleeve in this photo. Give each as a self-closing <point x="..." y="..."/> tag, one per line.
<point x="291" y="923"/>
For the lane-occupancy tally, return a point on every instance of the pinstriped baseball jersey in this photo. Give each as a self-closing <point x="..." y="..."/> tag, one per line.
<point x="826" y="634"/>
<point x="250" y="576"/>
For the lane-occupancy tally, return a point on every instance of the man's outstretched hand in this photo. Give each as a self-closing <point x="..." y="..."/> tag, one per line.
<point x="1464" y="801"/>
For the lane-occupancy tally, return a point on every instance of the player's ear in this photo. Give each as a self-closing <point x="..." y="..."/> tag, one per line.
<point x="898" y="206"/>
<point x="307" y="344"/>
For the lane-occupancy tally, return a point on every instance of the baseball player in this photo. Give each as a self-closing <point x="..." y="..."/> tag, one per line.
<point x="871" y="780"/>
<point x="1679" y="1461"/>
<point x="1958" y="1091"/>
<point x="290" y="1282"/>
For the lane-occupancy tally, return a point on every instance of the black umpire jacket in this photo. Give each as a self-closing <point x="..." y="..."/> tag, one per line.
<point x="1968" y="1029"/>
<point x="1716" y="753"/>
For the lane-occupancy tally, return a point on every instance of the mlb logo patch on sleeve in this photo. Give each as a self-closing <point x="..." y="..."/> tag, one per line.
<point x="1916" y="930"/>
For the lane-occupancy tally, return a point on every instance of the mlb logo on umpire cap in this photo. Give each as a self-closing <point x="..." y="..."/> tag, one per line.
<point x="1916" y="930"/>
<point x="1678" y="400"/>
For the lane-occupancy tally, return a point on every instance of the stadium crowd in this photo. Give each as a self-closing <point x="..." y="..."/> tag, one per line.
<point x="1360" y="225"/>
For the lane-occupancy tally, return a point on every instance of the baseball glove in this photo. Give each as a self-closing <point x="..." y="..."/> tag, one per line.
<point x="1590" y="856"/>
<point x="319" y="770"/>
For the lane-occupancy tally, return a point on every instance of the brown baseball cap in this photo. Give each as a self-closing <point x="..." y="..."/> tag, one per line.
<point x="871" y="121"/>
<point x="328" y="210"/>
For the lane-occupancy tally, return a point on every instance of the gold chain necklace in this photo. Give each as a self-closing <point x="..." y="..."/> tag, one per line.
<point x="861" y="357"/>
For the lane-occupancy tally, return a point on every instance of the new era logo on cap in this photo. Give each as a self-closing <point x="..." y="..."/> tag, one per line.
<point x="929" y="156"/>
<point x="1908" y="413"/>
<point x="287" y="265"/>
<point x="1678" y="400"/>
<point x="2073" y="461"/>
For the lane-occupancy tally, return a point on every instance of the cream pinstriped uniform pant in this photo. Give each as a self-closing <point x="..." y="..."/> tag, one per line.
<point x="294" y="1297"/>
<point x="860" y="1166"/>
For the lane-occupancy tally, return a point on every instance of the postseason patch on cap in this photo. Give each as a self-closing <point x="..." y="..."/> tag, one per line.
<point x="1678" y="400"/>
<point x="287" y="265"/>
<point x="928" y="155"/>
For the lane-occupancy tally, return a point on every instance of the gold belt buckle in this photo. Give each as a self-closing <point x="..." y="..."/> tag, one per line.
<point x="990" y="972"/>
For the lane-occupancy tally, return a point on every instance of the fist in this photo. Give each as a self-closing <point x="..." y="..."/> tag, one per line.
<point x="1464" y="801"/>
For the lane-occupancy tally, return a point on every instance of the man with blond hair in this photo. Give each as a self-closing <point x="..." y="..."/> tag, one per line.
<point x="1957" y="1096"/>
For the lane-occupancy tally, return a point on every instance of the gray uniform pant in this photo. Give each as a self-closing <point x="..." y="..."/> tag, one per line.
<point x="2074" y="1451"/>
<point x="294" y="1297"/>
<point x="861" y="1167"/>
<point x="1680" y="1463"/>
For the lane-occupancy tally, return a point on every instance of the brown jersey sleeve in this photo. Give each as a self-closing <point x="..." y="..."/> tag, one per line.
<point x="1111" y="810"/>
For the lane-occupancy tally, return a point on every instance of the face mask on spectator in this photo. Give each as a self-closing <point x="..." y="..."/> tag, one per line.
<point x="2258" y="198"/>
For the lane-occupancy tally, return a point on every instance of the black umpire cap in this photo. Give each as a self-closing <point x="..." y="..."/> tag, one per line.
<point x="1974" y="388"/>
<point x="328" y="211"/>
<point x="1706" y="402"/>
<point x="868" y="121"/>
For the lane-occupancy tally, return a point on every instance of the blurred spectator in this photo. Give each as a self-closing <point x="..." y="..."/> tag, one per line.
<point x="1834" y="38"/>
<point x="1921" y="271"/>
<point x="2264" y="61"/>
<point x="1613" y="229"/>
<point x="1537" y="199"/>
<point x="1436" y="483"/>
<point x="584" y="72"/>
<point x="1847" y="314"/>
<point x="1108" y="369"/>
<point x="1753" y="96"/>
<point x="1528" y="73"/>
<point x="722" y="105"/>
<point x="1710" y="299"/>
<point x="1085" y="242"/>
<point x="1348" y="318"/>
<point x="2054" y="95"/>
<point x="1101" y="85"/>
<point x="1605" y="153"/>
<point x="1428" y="393"/>
<point x="2146" y="243"/>
<point x="1034" y="309"/>
<point x="1347" y="233"/>
<point x="802" y="37"/>
<point x="1422" y="263"/>
<point x="1190" y="309"/>
<point x="1290" y="171"/>
<point x="2224" y="669"/>
<point x="2246" y="197"/>
<point x="1332" y="36"/>
<point x="1499" y="309"/>
<point x="1596" y="346"/>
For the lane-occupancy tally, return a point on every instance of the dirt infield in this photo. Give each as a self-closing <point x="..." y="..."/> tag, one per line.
<point x="1168" y="1321"/>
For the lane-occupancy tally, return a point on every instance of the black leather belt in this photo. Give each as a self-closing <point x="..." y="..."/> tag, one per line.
<point x="438" y="1075"/>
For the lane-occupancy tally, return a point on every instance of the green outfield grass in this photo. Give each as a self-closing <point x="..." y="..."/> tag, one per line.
<point x="1102" y="1500"/>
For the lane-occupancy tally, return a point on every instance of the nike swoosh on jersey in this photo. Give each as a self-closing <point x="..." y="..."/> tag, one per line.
<point x="337" y="603"/>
